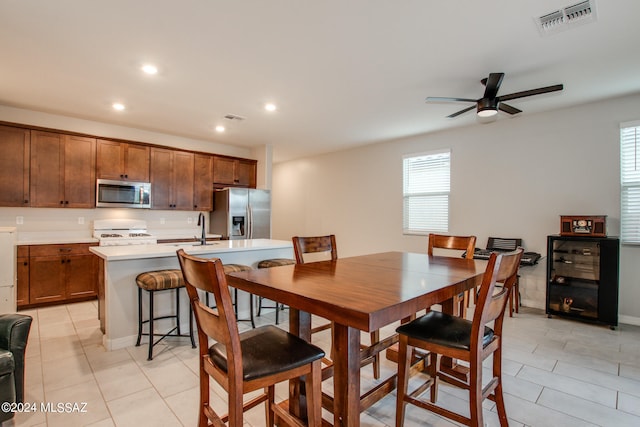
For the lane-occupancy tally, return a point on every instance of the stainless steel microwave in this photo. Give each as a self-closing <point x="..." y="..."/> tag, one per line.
<point x="122" y="194"/>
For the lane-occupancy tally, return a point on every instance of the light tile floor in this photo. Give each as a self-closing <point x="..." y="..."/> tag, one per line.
<point x="556" y="373"/>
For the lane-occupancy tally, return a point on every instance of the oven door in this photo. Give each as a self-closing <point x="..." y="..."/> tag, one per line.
<point x="122" y="194"/>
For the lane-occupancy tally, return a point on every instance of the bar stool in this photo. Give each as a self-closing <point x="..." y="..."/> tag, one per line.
<point x="234" y="268"/>
<point x="158" y="281"/>
<point x="268" y="263"/>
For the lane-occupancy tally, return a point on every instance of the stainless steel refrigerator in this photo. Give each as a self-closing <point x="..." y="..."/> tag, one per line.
<point x="241" y="213"/>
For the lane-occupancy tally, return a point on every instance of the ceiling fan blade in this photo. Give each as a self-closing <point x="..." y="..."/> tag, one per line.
<point x="444" y="99"/>
<point x="531" y="92"/>
<point x="493" y="84"/>
<point x="508" y="109"/>
<point x="461" y="112"/>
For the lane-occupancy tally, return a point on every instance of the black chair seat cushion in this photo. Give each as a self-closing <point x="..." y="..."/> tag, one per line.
<point x="7" y="364"/>
<point x="443" y="329"/>
<point x="268" y="350"/>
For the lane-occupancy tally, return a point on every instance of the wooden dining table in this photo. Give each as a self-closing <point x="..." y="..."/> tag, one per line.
<point x="360" y="293"/>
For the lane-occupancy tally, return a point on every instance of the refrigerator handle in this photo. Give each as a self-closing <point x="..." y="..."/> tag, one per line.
<point x="250" y="220"/>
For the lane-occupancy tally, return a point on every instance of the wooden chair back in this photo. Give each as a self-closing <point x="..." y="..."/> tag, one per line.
<point x="492" y="301"/>
<point x="220" y="323"/>
<point x="316" y="244"/>
<point x="461" y="243"/>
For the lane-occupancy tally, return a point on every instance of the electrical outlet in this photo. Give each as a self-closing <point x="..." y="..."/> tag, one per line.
<point x="81" y="220"/>
<point x="161" y="220"/>
<point x="189" y="220"/>
<point x="19" y="220"/>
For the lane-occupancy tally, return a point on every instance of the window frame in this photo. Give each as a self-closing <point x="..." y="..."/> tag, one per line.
<point x="441" y="224"/>
<point x="630" y="185"/>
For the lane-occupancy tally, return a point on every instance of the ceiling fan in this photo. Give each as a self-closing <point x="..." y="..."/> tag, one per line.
<point x="490" y="102"/>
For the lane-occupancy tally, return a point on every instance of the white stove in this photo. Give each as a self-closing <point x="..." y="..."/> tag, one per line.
<point x="121" y="232"/>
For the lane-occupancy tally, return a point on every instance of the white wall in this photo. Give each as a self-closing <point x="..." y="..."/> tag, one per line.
<point x="510" y="178"/>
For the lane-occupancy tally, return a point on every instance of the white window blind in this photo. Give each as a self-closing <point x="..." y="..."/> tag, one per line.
<point x="630" y="182"/>
<point x="426" y="186"/>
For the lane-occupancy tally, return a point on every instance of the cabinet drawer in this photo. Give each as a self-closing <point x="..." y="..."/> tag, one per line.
<point x="57" y="250"/>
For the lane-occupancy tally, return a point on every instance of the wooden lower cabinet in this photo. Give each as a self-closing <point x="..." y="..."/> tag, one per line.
<point x="57" y="274"/>
<point x="22" y="272"/>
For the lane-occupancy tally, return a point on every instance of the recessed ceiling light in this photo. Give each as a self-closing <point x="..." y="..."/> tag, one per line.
<point x="150" y="69"/>
<point x="118" y="106"/>
<point x="220" y="129"/>
<point x="270" y="107"/>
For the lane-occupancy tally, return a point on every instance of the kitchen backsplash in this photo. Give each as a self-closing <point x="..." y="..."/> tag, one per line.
<point x="81" y="220"/>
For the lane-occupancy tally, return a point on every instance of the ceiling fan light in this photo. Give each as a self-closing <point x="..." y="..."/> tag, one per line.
<point x="487" y="107"/>
<point x="487" y="112"/>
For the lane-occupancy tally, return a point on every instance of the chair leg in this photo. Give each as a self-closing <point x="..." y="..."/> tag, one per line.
<point x="499" y="397"/>
<point x="253" y="323"/>
<point x="313" y="387"/>
<point x="375" y="338"/>
<point x="178" y="311"/>
<point x="475" y="393"/>
<point x="150" y="357"/>
<point x="404" y="366"/>
<point x="271" y="397"/>
<point x="139" y="317"/>
<point x="434" y="360"/>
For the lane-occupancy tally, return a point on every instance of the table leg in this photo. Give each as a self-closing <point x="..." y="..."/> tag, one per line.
<point x="447" y="364"/>
<point x="300" y="325"/>
<point x="346" y="378"/>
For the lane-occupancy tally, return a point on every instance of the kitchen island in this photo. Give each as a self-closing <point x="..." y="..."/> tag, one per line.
<point x="119" y="266"/>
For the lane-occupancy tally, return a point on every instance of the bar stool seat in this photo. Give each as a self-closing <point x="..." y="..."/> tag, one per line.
<point x="268" y="263"/>
<point x="157" y="281"/>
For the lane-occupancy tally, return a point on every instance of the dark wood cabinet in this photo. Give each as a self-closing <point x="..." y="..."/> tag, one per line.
<point x="233" y="172"/>
<point x="203" y="183"/>
<point x="51" y="169"/>
<point x="172" y="179"/>
<point x="582" y="278"/>
<point x="56" y="274"/>
<point x="62" y="170"/>
<point x="22" y="273"/>
<point x="14" y="166"/>
<point x="122" y="161"/>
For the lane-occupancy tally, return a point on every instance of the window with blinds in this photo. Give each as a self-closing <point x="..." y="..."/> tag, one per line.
<point x="630" y="182"/>
<point x="426" y="187"/>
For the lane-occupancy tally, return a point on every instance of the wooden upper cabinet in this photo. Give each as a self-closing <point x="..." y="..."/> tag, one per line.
<point x="122" y="161"/>
<point x="14" y="166"/>
<point x="233" y="172"/>
<point x="62" y="170"/>
<point x="172" y="179"/>
<point x="203" y="183"/>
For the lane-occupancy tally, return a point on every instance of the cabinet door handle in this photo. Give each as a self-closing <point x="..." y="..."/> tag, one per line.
<point x="62" y="202"/>
<point x="66" y="202"/>
<point x="126" y="176"/>
<point x="25" y="263"/>
<point x="62" y="261"/>
<point x="26" y="201"/>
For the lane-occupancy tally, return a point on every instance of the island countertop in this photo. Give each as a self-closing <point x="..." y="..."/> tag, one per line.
<point x="132" y="252"/>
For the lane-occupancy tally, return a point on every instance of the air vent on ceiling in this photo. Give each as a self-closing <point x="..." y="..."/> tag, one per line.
<point x="563" y="19"/>
<point x="234" y="117"/>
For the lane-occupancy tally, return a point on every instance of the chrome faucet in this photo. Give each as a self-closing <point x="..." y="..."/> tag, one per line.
<point x="203" y="237"/>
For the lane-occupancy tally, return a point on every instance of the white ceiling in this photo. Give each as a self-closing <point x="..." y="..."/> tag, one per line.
<point x="342" y="72"/>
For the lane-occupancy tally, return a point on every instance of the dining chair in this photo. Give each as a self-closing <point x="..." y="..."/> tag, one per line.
<point x="460" y="243"/>
<point x="472" y="341"/>
<point x="245" y="362"/>
<point x="304" y="247"/>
